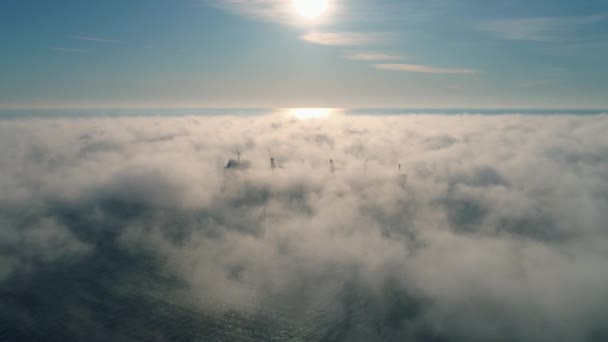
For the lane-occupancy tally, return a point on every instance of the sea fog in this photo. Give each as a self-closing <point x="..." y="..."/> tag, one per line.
<point x="428" y="227"/>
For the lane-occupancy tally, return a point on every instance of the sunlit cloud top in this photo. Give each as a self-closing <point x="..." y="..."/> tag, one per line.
<point x="311" y="113"/>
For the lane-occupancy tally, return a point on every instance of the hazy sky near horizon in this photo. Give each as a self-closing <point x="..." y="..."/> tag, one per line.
<point x="261" y="53"/>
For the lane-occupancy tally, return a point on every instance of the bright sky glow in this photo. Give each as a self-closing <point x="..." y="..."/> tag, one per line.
<point x="310" y="9"/>
<point x="311" y="113"/>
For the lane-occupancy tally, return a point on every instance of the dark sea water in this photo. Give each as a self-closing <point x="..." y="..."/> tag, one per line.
<point x="120" y="294"/>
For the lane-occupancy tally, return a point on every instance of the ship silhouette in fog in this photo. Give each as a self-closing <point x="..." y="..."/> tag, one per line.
<point x="240" y="164"/>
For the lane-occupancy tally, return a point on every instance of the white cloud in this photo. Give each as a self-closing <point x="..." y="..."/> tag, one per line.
<point x="372" y="56"/>
<point x="279" y="11"/>
<point x="500" y="224"/>
<point x="421" y="69"/>
<point x="70" y="50"/>
<point x="344" y="38"/>
<point x="98" y="40"/>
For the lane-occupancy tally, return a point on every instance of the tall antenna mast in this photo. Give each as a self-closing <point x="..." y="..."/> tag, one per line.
<point x="402" y="176"/>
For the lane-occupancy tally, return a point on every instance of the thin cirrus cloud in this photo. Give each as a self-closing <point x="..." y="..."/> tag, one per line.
<point x="535" y="83"/>
<point x="70" y="50"/>
<point x="344" y="38"/>
<point x="372" y="56"/>
<point x="540" y="29"/>
<point x="419" y="68"/>
<point x="266" y="10"/>
<point x="98" y="39"/>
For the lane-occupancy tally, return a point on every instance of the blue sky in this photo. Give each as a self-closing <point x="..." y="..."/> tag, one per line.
<point x="261" y="53"/>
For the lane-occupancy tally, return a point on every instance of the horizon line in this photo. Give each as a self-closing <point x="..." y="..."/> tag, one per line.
<point x="19" y="108"/>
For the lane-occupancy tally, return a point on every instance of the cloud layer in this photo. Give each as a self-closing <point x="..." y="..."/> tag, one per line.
<point x="421" y="69"/>
<point x="541" y="29"/>
<point x="131" y="229"/>
<point x="344" y="38"/>
<point x="372" y="56"/>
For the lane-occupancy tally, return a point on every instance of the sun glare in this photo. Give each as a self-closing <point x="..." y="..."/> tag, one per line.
<point x="310" y="113"/>
<point x="310" y="9"/>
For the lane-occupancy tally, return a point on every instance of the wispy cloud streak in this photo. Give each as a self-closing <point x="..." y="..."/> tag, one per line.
<point x="535" y="83"/>
<point x="99" y="40"/>
<point x="541" y="29"/>
<point x="70" y="50"/>
<point x="421" y="69"/>
<point x="372" y="56"/>
<point x="268" y="10"/>
<point x="344" y="38"/>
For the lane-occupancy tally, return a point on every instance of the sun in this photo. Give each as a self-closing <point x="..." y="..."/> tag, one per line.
<point x="310" y="9"/>
<point x="311" y="113"/>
